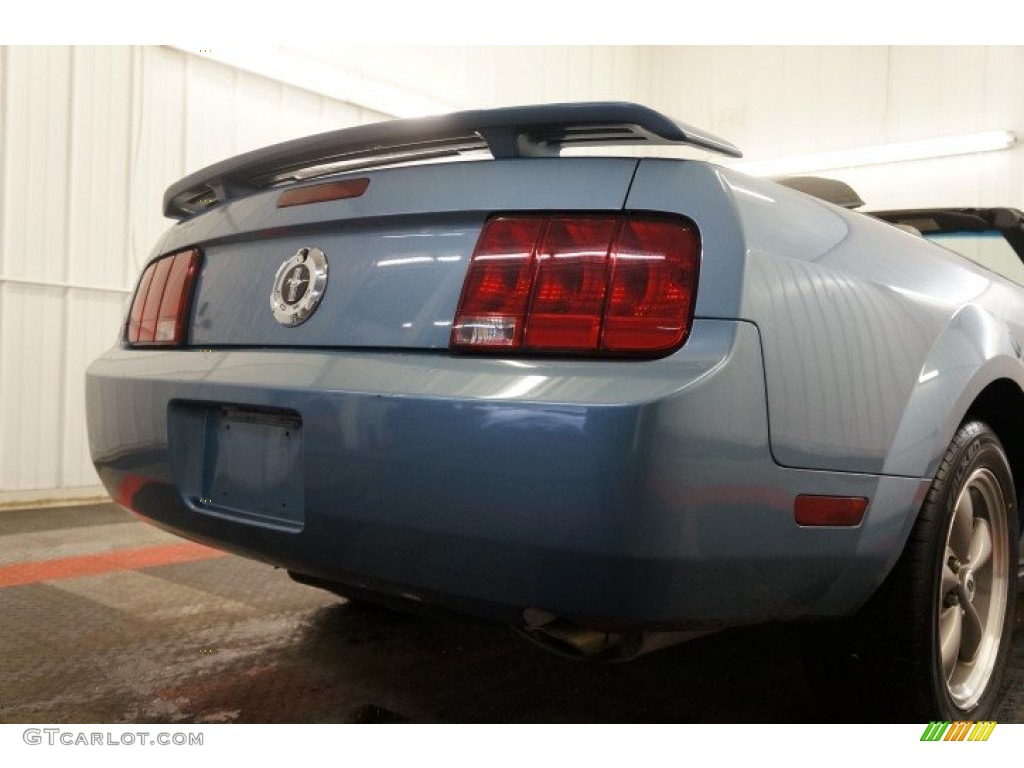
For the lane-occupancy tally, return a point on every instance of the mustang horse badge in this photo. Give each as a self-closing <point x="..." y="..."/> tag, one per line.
<point x="299" y="286"/>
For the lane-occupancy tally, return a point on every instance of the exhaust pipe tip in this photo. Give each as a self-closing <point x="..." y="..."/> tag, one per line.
<point x="567" y="638"/>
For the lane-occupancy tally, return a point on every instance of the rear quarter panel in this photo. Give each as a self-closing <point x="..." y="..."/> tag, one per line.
<point x="875" y="341"/>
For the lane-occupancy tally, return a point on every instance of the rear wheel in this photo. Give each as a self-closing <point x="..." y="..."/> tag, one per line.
<point x="973" y="589"/>
<point x="932" y="643"/>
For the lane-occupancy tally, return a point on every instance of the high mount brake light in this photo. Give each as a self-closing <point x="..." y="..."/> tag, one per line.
<point x="160" y="306"/>
<point x="580" y="284"/>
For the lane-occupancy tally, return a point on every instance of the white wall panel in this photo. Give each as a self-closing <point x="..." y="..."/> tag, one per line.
<point x="258" y="117"/>
<point x="32" y="358"/>
<point x="157" y="146"/>
<point x="97" y="180"/>
<point x="480" y="76"/>
<point x="334" y="114"/>
<point x="210" y="98"/>
<point x="36" y="137"/>
<point x="780" y="101"/>
<point x="558" y="64"/>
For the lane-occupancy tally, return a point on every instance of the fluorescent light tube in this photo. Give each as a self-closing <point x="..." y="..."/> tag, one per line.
<point x="946" y="146"/>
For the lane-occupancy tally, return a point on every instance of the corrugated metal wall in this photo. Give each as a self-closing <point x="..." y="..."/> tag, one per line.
<point x="90" y="139"/>
<point x="499" y="76"/>
<point x="92" y="136"/>
<point x="783" y="101"/>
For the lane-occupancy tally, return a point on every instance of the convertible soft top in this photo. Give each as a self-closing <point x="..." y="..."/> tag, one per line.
<point x="1007" y="221"/>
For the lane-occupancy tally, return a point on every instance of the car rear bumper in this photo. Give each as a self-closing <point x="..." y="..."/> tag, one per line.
<point x="616" y="493"/>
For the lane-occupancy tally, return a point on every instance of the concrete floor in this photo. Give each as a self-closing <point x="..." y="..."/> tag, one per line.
<point x="106" y="619"/>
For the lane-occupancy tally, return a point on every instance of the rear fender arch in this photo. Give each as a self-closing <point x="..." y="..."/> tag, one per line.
<point x="975" y="350"/>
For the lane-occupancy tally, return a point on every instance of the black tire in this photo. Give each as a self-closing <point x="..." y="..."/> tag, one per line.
<point x="886" y="662"/>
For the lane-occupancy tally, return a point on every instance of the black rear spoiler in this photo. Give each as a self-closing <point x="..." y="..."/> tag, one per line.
<point x="509" y="132"/>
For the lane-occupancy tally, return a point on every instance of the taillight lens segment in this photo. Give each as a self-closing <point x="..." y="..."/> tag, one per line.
<point x="492" y="312"/>
<point x="580" y="284"/>
<point x="159" y="310"/>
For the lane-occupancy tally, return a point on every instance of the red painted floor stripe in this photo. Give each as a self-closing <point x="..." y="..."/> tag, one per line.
<point x="105" y="562"/>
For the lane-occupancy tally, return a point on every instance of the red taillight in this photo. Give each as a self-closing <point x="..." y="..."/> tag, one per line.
<point x="570" y="284"/>
<point x="654" y="282"/>
<point x="580" y="284"/>
<point x="160" y="307"/>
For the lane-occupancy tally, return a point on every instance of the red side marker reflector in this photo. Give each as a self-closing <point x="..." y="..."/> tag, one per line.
<point x="830" y="510"/>
<point x="321" y="193"/>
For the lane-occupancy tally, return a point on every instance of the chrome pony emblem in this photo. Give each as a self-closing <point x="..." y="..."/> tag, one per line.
<point x="298" y="286"/>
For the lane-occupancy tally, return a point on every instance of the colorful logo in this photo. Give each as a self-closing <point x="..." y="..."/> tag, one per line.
<point x="979" y="731"/>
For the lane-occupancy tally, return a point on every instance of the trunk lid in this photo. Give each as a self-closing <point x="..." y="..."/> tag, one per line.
<point x="397" y="254"/>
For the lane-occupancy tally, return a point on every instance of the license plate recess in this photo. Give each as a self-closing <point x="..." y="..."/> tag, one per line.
<point x="239" y="462"/>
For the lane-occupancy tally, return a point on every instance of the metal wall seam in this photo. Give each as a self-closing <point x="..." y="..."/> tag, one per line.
<point x="64" y="284"/>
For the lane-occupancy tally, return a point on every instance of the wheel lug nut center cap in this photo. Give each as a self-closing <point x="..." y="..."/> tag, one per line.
<point x="969" y="584"/>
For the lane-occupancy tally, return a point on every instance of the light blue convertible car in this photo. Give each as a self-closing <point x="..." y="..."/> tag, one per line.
<point x="614" y="402"/>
